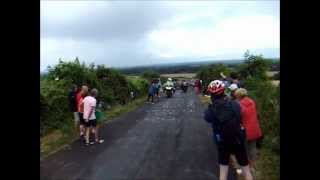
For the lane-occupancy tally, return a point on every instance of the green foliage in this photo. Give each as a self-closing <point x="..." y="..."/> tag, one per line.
<point x="255" y="66"/>
<point x="276" y="76"/>
<point x="149" y="75"/>
<point x="138" y="86"/>
<point x="53" y="105"/>
<point x="268" y="104"/>
<point x="113" y="87"/>
<point x="267" y="96"/>
<point x="210" y="73"/>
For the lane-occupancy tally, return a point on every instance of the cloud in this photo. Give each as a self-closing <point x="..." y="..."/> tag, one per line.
<point x="230" y="35"/>
<point x="128" y="33"/>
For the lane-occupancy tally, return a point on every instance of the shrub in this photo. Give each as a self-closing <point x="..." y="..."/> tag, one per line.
<point x="210" y="73"/>
<point x="113" y="88"/>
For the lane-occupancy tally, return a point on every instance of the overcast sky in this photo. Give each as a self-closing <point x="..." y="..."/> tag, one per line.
<point x="131" y="33"/>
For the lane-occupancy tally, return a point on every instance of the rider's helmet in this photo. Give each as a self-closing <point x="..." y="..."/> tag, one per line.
<point x="216" y="87"/>
<point x="169" y="79"/>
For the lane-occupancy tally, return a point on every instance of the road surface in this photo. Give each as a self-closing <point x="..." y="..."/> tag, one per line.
<point x="165" y="140"/>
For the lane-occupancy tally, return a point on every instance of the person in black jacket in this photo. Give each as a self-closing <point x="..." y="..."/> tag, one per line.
<point x="73" y="104"/>
<point x="225" y="118"/>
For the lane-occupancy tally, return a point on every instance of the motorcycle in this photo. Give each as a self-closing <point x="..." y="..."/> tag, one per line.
<point x="169" y="91"/>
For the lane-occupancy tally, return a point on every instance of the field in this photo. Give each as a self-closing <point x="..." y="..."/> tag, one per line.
<point x="180" y="75"/>
<point x="271" y="73"/>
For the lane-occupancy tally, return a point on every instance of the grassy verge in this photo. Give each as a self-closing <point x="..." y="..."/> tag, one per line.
<point x="267" y="166"/>
<point x="60" y="139"/>
<point x="205" y="99"/>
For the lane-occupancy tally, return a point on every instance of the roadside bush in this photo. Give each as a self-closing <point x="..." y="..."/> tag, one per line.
<point x="268" y="105"/>
<point x="113" y="89"/>
<point x="53" y="105"/>
<point x="210" y="73"/>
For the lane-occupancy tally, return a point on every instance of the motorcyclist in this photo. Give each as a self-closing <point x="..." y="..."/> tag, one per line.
<point x="169" y="83"/>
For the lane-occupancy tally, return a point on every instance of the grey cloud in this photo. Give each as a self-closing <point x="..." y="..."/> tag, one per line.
<point x="128" y="20"/>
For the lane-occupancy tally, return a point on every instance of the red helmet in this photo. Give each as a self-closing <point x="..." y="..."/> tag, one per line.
<point x="216" y="87"/>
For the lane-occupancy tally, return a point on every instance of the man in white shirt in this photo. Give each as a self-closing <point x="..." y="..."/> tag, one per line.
<point x="89" y="116"/>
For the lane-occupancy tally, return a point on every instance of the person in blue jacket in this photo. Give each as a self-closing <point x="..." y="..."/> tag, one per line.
<point x="152" y="91"/>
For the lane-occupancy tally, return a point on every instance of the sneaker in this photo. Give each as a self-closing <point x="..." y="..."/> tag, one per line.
<point x="100" y="141"/>
<point x="239" y="171"/>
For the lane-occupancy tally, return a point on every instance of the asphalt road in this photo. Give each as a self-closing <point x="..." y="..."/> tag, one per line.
<point x="165" y="140"/>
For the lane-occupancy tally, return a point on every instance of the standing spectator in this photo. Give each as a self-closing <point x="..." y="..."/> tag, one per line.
<point x="198" y="86"/>
<point x="225" y="80"/>
<point x="73" y="104"/>
<point x="80" y="96"/>
<point x="250" y="122"/>
<point x="132" y="96"/>
<point x="235" y="79"/>
<point x="225" y="118"/>
<point x="151" y="92"/>
<point x="90" y="104"/>
<point x="232" y="88"/>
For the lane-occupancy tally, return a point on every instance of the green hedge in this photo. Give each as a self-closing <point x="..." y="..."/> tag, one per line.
<point x="114" y="88"/>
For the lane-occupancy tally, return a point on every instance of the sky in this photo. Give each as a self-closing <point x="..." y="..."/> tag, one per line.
<point x="134" y="33"/>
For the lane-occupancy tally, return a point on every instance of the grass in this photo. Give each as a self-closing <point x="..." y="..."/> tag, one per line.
<point x="54" y="142"/>
<point x="267" y="166"/>
<point x="119" y="110"/>
<point x="60" y="139"/>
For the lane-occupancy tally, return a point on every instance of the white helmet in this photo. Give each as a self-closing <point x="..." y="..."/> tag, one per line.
<point x="169" y="79"/>
<point x="233" y="87"/>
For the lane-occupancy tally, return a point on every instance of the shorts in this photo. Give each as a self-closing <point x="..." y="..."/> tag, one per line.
<point x="252" y="150"/>
<point x="91" y="123"/>
<point x="76" y="116"/>
<point x="239" y="150"/>
<point x="82" y="122"/>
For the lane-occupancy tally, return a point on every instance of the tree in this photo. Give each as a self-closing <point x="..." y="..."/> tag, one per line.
<point x="208" y="74"/>
<point x="255" y="66"/>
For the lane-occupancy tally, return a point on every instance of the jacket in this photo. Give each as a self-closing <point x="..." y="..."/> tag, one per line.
<point x="72" y="101"/>
<point x="249" y="119"/>
<point x="210" y="117"/>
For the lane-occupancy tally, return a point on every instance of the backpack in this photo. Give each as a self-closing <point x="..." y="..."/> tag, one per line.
<point x="228" y="123"/>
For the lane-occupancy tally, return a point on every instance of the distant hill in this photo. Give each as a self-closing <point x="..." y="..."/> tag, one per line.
<point x="183" y="67"/>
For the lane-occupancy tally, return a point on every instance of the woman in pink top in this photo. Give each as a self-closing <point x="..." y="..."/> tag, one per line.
<point x="89" y="108"/>
<point x="250" y="122"/>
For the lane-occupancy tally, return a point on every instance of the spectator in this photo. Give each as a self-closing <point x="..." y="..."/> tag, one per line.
<point x="151" y="92"/>
<point x="232" y="88"/>
<point x="73" y="104"/>
<point x="250" y="122"/>
<point x="235" y="79"/>
<point x="90" y="104"/>
<point x="224" y="116"/>
<point x="80" y="96"/>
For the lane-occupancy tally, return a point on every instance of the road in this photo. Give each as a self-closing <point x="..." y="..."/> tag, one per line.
<point x="165" y="140"/>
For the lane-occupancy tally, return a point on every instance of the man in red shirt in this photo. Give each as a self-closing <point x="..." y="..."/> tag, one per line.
<point x="80" y="96"/>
